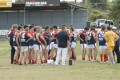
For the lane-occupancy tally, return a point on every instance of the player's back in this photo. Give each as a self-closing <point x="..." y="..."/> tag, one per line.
<point x="110" y="38"/>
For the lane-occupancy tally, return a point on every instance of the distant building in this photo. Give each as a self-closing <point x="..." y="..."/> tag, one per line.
<point x="50" y="14"/>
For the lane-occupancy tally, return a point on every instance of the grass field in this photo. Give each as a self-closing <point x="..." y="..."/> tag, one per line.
<point x="79" y="70"/>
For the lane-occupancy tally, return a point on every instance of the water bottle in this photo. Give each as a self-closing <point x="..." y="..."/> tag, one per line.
<point x="70" y="62"/>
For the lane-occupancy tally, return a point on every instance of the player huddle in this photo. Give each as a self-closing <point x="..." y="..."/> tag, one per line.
<point x="33" y="47"/>
<point x="107" y="39"/>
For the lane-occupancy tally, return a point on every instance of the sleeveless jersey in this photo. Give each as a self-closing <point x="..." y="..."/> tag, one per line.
<point x="35" y="41"/>
<point x="90" y="38"/>
<point x="41" y="40"/>
<point x="83" y="36"/>
<point x="54" y="36"/>
<point x="23" y="39"/>
<point x="101" y="38"/>
<point x="73" y="38"/>
<point x="47" y="37"/>
<point x="31" y="41"/>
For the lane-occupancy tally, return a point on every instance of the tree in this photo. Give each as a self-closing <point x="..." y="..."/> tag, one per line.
<point x="115" y="11"/>
<point x="95" y="14"/>
<point x="99" y="4"/>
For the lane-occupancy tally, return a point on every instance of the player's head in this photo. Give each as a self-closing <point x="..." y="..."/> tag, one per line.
<point x="51" y="29"/>
<point x="20" y="28"/>
<point x="109" y="28"/>
<point x="103" y="28"/>
<point x="31" y="28"/>
<point x="86" y="29"/>
<point x="26" y="28"/>
<point x="92" y="29"/>
<point x="14" y="27"/>
<point x="47" y="28"/>
<point x="38" y="28"/>
<point x="55" y="27"/>
<point x="71" y="29"/>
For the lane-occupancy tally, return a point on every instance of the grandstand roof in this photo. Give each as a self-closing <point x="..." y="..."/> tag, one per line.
<point x="63" y="6"/>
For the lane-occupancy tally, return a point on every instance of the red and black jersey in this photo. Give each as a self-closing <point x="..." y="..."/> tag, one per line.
<point x="83" y="37"/>
<point x="54" y="36"/>
<point x="47" y="37"/>
<point x="24" y="38"/>
<point x="41" y="40"/>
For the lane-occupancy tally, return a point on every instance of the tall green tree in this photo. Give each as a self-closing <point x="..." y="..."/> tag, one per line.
<point x="115" y="11"/>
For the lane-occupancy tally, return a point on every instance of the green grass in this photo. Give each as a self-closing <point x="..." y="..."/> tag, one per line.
<point x="79" y="70"/>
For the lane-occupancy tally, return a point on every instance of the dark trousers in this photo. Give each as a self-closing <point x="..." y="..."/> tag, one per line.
<point x="116" y="50"/>
<point x="12" y="54"/>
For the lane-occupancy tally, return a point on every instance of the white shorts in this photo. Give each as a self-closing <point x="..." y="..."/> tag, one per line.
<point x="84" y="46"/>
<point x="102" y="47"/>
<point x="47" y="47"/>
<point x="91" y="46"/>
<point x="73" y="44"/>
<point x="16" y="48"/>
<point x="24" y="48"/>
<point x="51" y="45"/>
<point x="37" y="47"/>
<point x="30" y="47"/>
<point x="55" y="45"/>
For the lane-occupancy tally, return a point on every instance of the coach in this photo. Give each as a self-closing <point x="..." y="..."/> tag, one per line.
<point x="14" y="28"/>
<point x="63" y="43"/>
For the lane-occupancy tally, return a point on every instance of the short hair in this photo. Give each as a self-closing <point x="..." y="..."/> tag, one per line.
<point x="14" y="26"/>
<point x="37" y="27"/>
<point x="109" y="28"/>
<point x="92" y="28"/>
<point x="86" y="28"/>
<point x="51" y="28"/>
<point x="31" y="26"/>
<point x="63" y="27"/>
<point x="46" y="27"/>
<point x="55" y="26"/>
<point x="19" y="27"/>
<point x="103" y="28"/>
<point x="72" y="28"/>
<point x="25" y="26"/>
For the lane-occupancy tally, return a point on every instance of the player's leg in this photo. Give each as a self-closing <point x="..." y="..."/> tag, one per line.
<point x="32" y="53"/>
<point x="105" y="54"/>
<point x="95" y="52"/>
<point x="29" y="55"/>
<point x="84" y="50"/>
<point x="73" y="48"/>
<point x="16" y="55"/>
<point x="50" y="56"/>
<point x="111" y="57"/>
<point x="101" y="53"/>
<point x="36" y="52"/>
<point x="46" y="54"/>
<point x="25" y="54"/>
<point x="89" y="52"/>
<point x="21" y="55"/>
